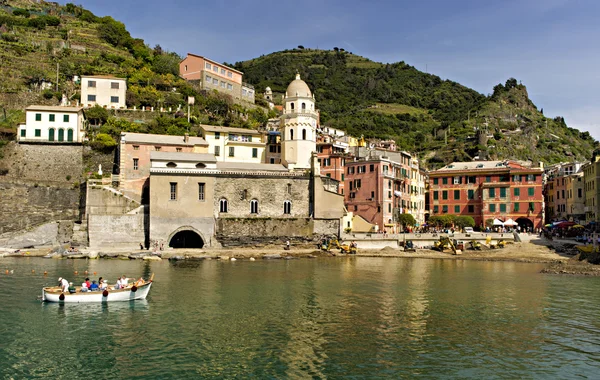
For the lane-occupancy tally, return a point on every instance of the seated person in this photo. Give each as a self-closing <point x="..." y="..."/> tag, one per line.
<point x="93" y="286"/>
<point x="104" y="285"/>
<point x="84" y="287"/>
<point x="72" y="288"/>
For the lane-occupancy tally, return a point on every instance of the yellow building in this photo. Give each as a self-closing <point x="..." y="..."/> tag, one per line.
<point x="591" y="175"/>
<point x="234" y="144"/>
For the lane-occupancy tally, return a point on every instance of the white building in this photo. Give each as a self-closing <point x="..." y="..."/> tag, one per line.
<point x="52" y="124"/>
<point x="106" y="91"/>
<point x="234" y="144"/>
<point x="299" y="124"/>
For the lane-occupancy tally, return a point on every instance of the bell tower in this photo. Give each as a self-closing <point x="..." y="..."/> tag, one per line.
<point x="299" y="125"/>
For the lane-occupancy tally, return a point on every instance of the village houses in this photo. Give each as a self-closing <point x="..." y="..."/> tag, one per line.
<point x="52" y="124"/>
<point x="103" y="90"/>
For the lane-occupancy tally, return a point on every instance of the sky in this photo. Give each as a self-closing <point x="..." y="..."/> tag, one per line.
<point x="551" y="46"/>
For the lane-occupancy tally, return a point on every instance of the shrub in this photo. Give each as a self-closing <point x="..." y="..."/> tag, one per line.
<point x="8" y="37"/>
<point x="38" y="23"/>
<point x="103" y="143"/>
<point x="51" y="20"/>
<point x="68" y="178"/>
<point x="48" y="94"/>
<point x="21" y="12"/>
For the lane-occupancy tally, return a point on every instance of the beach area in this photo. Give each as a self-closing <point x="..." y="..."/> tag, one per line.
<point x="534" y="250"/>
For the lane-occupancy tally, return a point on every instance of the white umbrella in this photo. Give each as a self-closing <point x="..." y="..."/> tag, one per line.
<point x="510" y="222"/>
<point x="497" y="222"/>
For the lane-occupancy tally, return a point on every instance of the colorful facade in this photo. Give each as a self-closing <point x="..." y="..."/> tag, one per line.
<point x="488" y="190"/>
<point x="332" y="157"/>
<point x="591" y="175"/>
<point x="377" y="187"/>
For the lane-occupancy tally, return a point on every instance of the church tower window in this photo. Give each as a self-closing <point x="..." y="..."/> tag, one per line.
<point x="292" y="106"/>
<point x="291" y="134"/>
<point x="303" y="106"/>
<point x="304" y="134"/>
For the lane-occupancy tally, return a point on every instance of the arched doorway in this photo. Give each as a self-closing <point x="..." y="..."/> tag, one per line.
<point x="525" y="224"/>
<point x="186" y="239"/>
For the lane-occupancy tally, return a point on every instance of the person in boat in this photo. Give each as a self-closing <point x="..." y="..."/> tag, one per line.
<point x="88" y="284"/>
<point x="64" y="284"/>
<point x="100" y="281"/>
<point x="84" y="287"/>
<point x="103" y="285"/>
<point x="124" y="281"/>
<point x="139" y="282"/>
<point x="72" y="288"/>
<point x="93" y="286"/>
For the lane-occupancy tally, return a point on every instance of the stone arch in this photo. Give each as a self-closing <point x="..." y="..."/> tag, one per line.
<point x="186" y="237"/>
<point x="524" y="223"/>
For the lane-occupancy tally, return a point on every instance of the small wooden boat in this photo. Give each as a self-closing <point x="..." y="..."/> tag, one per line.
<point x="136" y="291"/>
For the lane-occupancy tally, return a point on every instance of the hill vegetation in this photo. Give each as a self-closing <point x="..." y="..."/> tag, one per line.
<point x="439" y="119"/>
<point x="40" y="41"/>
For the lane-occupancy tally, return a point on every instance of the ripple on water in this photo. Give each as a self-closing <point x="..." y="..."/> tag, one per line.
<point x="304" y="318"/>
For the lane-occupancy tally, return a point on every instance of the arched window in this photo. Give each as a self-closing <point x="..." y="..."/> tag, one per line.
<point x="61" y="135"/>
<point x="291" y="134"/>
<point x="171" y="165"/>
<point x="303" y="106"/>
<point x="51" y="134"/>
<point x="292" y="106"/>
<point x="304" y="134"/>
<point x="69" y="135"/>
<point x="223" y="205"/>
<point x="254" y="206"/>
<point x="287" y="207"/>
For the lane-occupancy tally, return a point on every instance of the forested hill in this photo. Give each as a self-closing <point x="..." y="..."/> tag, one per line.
<point x="439" y="119"/>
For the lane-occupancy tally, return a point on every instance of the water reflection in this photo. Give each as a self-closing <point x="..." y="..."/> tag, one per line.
<point x="320" y="318"/>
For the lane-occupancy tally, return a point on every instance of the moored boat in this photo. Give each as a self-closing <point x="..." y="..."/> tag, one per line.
<point x="136" y="291"/>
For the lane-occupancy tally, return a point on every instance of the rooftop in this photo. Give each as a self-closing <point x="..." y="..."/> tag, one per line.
<point x="53" y="108"/>
<point x="486" y="165"/>
<point x="251" y="167"/>
<point x="102" y="77"/>
<point x="214" y="62"/>
<point x="215" y="128"/>
<point x="145" y="138"/>
<point x="183" y="157"/>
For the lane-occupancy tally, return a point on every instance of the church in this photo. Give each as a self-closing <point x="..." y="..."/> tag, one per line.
<point x="197" y="201"/>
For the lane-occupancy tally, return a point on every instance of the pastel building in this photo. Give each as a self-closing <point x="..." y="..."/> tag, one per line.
<point x="234" y="144"/>
<point x="591" y="175"/>
<point x="487" y="190"/>
<point x="332" y="156"/>
<point x="211" y="75"/>
<point x="561" y="200"/>
<point x="52" y="124"/>
<point x="134" y="158"/>
<point x="377" y="187"/>
<point x="103" y="90"/>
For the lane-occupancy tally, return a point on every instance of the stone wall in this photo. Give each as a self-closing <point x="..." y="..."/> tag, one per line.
<point x="24" y="206"/>
<point x="258" y="232"/>
<point x="59" y="165"/>
<point x="117" y="231"/>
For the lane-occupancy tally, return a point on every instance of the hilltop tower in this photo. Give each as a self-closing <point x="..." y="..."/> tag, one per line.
<point x="299" y="124"/>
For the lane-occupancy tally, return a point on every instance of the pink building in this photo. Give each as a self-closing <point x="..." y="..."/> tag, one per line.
<point x="377" y="188"/>
<point x="134" y="158"/>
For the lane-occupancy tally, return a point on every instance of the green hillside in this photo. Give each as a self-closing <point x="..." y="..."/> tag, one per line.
<point x="439" y="119"/>
<point x="436" y="118"/>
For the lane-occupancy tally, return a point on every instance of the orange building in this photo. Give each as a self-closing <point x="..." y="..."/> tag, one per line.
<point x="332" y="156"/>
<point x="211" y="75"/>
<point x="487" y="190"/>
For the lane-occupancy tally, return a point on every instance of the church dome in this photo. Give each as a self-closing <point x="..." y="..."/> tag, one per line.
<point x="298" y="87"/>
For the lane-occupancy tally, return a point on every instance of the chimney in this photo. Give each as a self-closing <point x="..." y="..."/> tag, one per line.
<point x="186" y="138"/>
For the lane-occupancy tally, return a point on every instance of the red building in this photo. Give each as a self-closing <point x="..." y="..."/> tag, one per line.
<point x="377" y="187"/>
<point x="487" y="190"/>
<point x="332" y="156"/>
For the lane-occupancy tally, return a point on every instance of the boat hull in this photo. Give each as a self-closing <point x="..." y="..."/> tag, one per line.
<point x="119" y="295"/>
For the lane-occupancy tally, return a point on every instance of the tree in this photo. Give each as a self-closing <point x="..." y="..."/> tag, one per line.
<point x="114" y="32"/>
<point x="96" y="115"/>
<point x="464" y="221"/>
<point x="406" y="220"/>
<point x="166" y="64"/>
<point x="103" y="142"/>
<point x="21" y="12"/>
